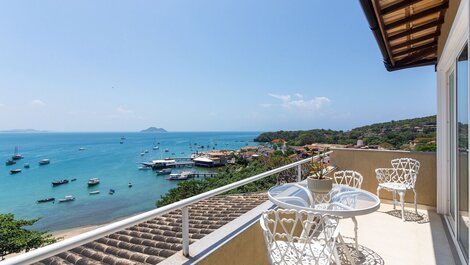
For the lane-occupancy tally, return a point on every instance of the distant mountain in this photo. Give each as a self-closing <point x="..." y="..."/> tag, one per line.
<point x="22" y="131"/>
<point x="154" y="129"/>
<point x="410" y="134"/>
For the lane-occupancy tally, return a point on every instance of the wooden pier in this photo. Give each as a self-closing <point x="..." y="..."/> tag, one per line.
<point x="184" y="164"/>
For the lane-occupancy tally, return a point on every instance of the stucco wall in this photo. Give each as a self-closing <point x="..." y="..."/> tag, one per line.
<point x="366" y="161"/>
<point x="246" y="248"/>
<point x="445" y="28"/>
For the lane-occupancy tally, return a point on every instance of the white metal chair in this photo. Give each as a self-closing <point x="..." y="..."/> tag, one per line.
<point x="301" y="237"/>
<point x="348" y="177"/>
<point x="353" y="179"/>
<point x="399" y="179"/>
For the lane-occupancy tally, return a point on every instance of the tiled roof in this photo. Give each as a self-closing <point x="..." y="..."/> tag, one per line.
<point x="153" y="241"/>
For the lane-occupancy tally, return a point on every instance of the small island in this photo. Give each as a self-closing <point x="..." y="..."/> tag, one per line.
<point x="22" y="131"/>
<point x="154" y="129"/>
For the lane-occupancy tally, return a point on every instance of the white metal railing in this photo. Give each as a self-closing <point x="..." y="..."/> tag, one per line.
<point x="64" y="245"/>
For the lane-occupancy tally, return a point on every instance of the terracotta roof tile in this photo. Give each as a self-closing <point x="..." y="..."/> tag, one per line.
<point x="152" y="241"/>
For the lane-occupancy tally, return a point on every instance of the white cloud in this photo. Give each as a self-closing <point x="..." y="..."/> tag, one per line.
<point x="123" y="111"/>
<point x="300" y="103"/>
<point x="38" y="102"/>
<point x="281" y="97"/>
<point x="312" y="104"/>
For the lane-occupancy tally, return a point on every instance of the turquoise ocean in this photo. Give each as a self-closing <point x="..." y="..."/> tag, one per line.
<point x="104" y="157"/>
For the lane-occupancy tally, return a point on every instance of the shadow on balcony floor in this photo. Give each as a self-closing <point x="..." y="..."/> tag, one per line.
<point x="410" y="216"/>
<point x="365" y="255"/>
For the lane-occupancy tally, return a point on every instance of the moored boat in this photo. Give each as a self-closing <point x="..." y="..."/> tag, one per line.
<point x="60" y="182"/>
<point x="111" y="191"/>
<point x="94" y="192"/>
<point x="67" y="198"/>
<point x="73" y="179"/>
<point x="179" y="176"/>
<point x="46" y="200"/>
<point x="164" y="171"/>
<point x="81" y="149"/>
<point x="129" y="184"/>
<point x="10" y="162"/>
<point x="26" y="165"/>
<point x="43" y="162"/>
<point x="16" y="155"/>
<point x="15" y="171"/>
<point x="93" y="182"/>
<point x="145" y="167"/>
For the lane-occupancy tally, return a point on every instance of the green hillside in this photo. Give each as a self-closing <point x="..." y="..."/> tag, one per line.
<point x="411" y="134"/>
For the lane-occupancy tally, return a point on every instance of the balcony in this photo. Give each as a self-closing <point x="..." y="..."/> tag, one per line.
<point x="223" y="229"/>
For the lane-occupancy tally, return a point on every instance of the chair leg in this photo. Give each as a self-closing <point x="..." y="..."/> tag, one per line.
<point x="416" y="206"/>
<point x="402" y="203"/>
<point x="394" y="193"/>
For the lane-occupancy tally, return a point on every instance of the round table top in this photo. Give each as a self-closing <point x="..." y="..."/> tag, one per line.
<point x="343" y="201"/>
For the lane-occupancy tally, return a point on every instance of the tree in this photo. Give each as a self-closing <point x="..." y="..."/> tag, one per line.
<point x="15" y="238"/>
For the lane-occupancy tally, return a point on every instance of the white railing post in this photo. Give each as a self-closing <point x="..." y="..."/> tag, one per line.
<point x="185" y="224"/>
<point x="299" y="173"/>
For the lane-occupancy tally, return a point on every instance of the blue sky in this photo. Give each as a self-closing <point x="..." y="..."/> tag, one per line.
<point x="199" y="66"/>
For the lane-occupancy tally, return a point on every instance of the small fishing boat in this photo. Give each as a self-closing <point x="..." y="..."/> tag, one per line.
<point x="121" y="142"/>
<point x="26" y="165"/>
<point x="111" y="191"/>
<point x="130" y="185"/>
<point x="145" y="168"/>
<point x="10" y="162"/>
<point x="15" y="171"/>
<point x="43" y="162"/>
<point x="45" y="200"/>
<point x="179" y="176"/>
<point x="146" y="151"/>
<point x="166" y="150"/>
<point x="142" y="154"/>
<point x="81" y="149"/>
<point x="73" y="179"/>
<point x="59" y="182"/>
<point x="67" y="198"/>
<point x="164" y="171"/>
<point x="16" y="155"/>
<point x="93" y="182"/>
<point x="94" y="192"/>
<point x="156" y="147"/>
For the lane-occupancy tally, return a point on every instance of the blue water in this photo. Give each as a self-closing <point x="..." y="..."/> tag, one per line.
<point x="113" y="163"/>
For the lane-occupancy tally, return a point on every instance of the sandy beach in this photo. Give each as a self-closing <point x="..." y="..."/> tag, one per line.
<point x="68" y="233"/>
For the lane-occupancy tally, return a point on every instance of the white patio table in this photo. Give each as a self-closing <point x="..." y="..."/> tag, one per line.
<point x="342" y="201"/>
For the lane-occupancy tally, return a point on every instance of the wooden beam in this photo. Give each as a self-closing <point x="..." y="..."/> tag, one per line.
<point x="398" y="6"/>
<point x="415" y="49"/>
<point x="417" y="56"/>
<point x="419" y="15"/>
<point x="376" y="5"/>
<point x="416" y="29"/>
<point x="415" y="64"/>
<point x="433" y="35"/>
